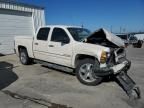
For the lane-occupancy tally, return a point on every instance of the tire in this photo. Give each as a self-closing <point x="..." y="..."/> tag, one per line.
<point x="24" y="58"/>
<point x="84" y="72"/>
<point x="139" y="44"/>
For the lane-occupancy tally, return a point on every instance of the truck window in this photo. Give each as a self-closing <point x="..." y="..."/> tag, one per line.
<point x="43" y="34"/>
<point x="59" y="35"/>
<point x="79" y="33"/>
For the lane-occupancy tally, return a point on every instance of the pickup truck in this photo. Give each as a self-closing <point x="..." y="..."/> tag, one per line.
<point x="91" y="56"/>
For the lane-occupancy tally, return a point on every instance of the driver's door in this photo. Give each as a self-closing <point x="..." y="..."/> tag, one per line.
<point x="60" y="47"/>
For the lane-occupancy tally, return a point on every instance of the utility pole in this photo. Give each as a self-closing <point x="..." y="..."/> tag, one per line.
<point x="111" y="29"/>
<point x="120" y="29"/>
<point x="124" y="30"/>
<point x="82" y="25"/>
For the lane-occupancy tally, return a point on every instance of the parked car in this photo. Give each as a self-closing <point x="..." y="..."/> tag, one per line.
<point x="140" y="38"/>
<point x="91" y="56"/>
<point x="131" y="39"/>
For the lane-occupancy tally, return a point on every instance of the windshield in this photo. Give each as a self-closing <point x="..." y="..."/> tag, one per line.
<point x="79" y="34"/>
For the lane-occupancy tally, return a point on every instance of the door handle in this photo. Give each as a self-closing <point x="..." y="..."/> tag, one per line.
<point x="36" y="43"/>
<point x="51" y="45"/>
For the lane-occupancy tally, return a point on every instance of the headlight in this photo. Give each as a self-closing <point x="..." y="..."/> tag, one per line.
<point x="104" y="56"/>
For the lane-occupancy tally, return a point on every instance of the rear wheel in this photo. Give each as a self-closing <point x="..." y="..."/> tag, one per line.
<point x="85" y="72"/>
<point x="24" y="58"/>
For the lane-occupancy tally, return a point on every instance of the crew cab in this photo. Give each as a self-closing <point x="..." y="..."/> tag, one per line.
<point x="91" y="56"/>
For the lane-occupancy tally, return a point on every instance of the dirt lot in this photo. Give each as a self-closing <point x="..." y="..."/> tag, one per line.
<point x="35" y="86"/>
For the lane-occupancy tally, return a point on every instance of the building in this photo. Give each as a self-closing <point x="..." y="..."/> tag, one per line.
<point x="18" y="19"/>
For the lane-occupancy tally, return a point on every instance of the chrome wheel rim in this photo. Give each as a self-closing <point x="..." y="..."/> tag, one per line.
<point x="86" y="72"/>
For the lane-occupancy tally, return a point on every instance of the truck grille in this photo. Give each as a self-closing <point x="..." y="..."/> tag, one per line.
<point x="120" y="55"/>
<point x="117" y="56"/>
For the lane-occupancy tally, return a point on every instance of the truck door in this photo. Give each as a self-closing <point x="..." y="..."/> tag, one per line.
<point x="60" y="47"/>
<point x="40" y="44"/>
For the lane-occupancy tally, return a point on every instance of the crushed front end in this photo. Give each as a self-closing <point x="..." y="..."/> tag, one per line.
<point x="117" y="65"/>
<point x="113" y="62"/>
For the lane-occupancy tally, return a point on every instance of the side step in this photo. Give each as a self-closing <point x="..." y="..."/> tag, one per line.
<point x="55" y="66"/>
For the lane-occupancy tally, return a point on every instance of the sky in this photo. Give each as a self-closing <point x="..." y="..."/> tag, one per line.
<point x="114" y="15"/>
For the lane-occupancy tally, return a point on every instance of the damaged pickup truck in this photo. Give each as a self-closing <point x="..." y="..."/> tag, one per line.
<point x="91" y="57"/>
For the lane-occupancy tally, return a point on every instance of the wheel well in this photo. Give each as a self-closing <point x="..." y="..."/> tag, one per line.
<point x="21" y="47"/>
<point x="81" y="57"/>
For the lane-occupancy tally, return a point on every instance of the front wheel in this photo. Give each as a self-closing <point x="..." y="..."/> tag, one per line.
<point x="85" y="72"/>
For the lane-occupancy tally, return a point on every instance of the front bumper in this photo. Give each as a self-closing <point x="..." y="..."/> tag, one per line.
<point x="124" y="66"/>
<point x="121" y="77"/>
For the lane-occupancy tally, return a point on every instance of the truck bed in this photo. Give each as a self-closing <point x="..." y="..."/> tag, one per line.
<point x="27" y="42"/>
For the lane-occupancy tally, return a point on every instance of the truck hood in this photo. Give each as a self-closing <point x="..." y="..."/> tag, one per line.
<point x="105" y="38"/>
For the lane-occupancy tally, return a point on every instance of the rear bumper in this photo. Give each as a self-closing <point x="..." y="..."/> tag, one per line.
<point x="124" y="66"/>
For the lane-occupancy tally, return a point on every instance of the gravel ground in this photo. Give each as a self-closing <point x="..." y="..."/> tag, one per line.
<point x="35" y="86"/>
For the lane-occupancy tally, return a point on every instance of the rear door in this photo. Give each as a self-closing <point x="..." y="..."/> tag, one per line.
<point x="40" y="44"/>
<point x="60" y="47"/>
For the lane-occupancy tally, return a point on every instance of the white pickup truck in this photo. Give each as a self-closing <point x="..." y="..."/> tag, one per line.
<point x="91" y="56"/>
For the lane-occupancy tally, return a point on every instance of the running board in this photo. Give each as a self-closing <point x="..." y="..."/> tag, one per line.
<point x="55" y="66"/>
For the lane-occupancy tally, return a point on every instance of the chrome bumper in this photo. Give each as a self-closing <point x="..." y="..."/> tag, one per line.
<point x="124" y="66"/>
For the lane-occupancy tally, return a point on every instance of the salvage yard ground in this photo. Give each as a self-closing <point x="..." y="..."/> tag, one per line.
<point x="35" y="86"/>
